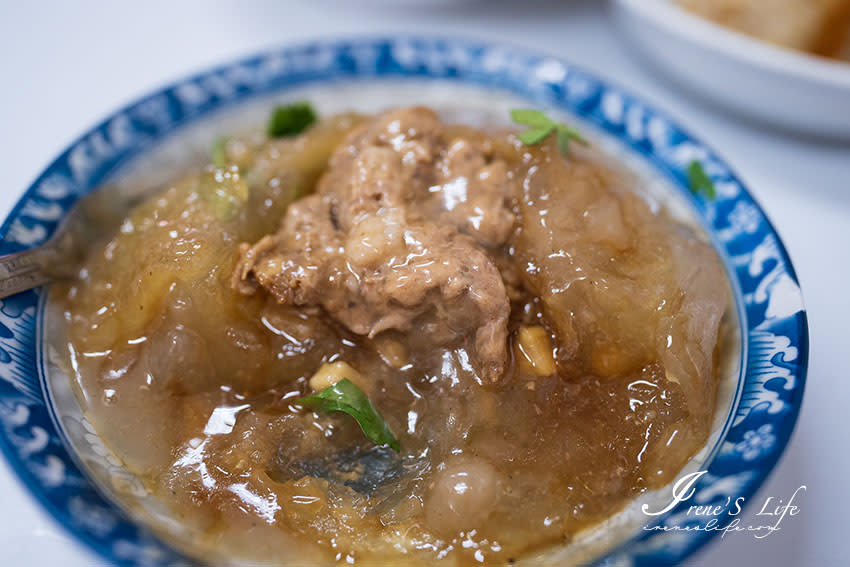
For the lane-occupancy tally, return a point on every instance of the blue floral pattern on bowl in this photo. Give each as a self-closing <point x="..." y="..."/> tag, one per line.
<point x="774" y="327"/>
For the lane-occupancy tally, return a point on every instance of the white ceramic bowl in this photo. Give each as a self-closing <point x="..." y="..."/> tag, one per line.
<point x="785" y="88"/>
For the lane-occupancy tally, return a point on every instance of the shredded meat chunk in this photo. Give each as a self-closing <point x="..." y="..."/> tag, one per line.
<point x="397" y="237"/>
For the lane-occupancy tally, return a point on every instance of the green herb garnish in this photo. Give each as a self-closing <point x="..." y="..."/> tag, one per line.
<point x="219" y="152"/>
<point x="344" y="396"/>
<point x="540" y="126"/>
<point x="290" y="119"/>
<point x="700" y="181"/>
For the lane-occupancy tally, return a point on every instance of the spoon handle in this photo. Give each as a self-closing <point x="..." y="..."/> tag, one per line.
<point x="22" y="271"/>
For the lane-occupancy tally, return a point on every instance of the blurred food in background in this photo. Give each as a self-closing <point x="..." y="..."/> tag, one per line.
<point x="820" y="27"/>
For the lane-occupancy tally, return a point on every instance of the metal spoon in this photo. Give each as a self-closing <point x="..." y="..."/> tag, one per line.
<point x="95" y="216"/>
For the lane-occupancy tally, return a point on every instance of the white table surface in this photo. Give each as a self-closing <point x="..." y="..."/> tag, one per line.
<point x="64" y="65"/>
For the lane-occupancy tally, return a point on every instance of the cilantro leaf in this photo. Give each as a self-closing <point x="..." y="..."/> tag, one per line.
<point x="540" y="126"/>
<point x="571" y="134"/>
<point x="700" y="181"/>
<point x="219" y="152"/>
<point x="290" y="119"/>
<point x="563" y="142"/>
<point x="530" y="117"/>
<point x="535" y="135"/>
<point x="344" y="396"/>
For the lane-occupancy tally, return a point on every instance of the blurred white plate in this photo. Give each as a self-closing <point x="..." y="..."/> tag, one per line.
<point x="779" y="86"/>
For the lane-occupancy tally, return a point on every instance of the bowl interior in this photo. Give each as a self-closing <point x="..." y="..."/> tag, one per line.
<point x="456" y="102"/>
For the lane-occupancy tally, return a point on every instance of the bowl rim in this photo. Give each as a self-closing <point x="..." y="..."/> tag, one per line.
<point x="736" y="45"/>
<point x="49" y="471"/>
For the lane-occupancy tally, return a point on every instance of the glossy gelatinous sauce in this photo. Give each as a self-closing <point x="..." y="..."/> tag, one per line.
<point x="192" y="331"/>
